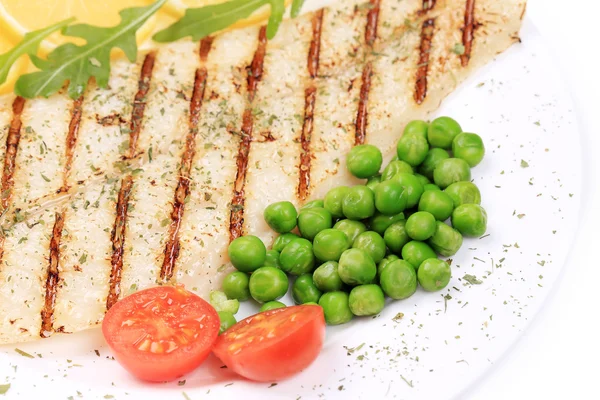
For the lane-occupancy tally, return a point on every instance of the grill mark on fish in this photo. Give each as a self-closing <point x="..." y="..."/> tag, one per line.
<point x="307" y="128"/>
<point x="362" y="115"/>
<point x="255" y="72"/>
<point x="372" y="22"/>
<point x="423" y="65"/>
<point x="71" y="141"/>
<point x="12" y="147"/>
<point x="467" y="37"/>
<point x="118" y="242"/>
<point x="315" y="44"/>
<point x="53" y="277"/>
<point x="182" y="191"/>
<point x="139" y="103"/>
<point x="310" y="95"/>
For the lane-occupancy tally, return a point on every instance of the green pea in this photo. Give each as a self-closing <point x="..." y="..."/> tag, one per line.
<point x="304" y="290"/>
<point x="235" y="286"/>
<point x="351" y="228"/>
<point x="416" y="252"/>
<point x="372" y="243"/>
<point x="336" y="308"/>
<point x="412" y="149"/>
<point x="451" y="170"/>
<point x="469" y="147"/>
<point x="413" y="187"/>
<point x="470" y="220"/>
<point x="326" y="277"/>
<point x="313" y="204"/>
<point x="399" y="280"/>
<point x="463" y="193"/>
<point x="420" y="225"/>
<point x="446" y="240"/>
<point x="366" y="300"/>
<point x="373" y="181"/>
<point x="359" y="203"/>
<point x="247" y="253"/>
<point x="271" y="305"/>
<point x="227" y="320"/>
<point x="438" y="203"/>
<point x="220" y="302"/>
<point x="268" y="284"/>
<point x="394" y="168"/>
<point x="333" y="201"/>
<point x="329" y="244"/>
<point x="384" y="263"/>
<point x="433" y="157"/>
<point x="313" y="221"/>
<point x="434" y="274"/>
<point x="364" y="161"/>
<point x="423" y="179"/>
<point x="297" y="257"/>
<point x="390" y="198"/>
<point x="396" y="237"/>
<point x="272" y="259"/>
<point x="281" y="216"/>
<point x="356" y="267"/>
<point x="283" y="240"/>
<point x="431" y="186"/>
<point x="379" y="222"/>
<point x="442" y="131"/>
<point x="311" y="303"/>
<point x="416" y="127"/>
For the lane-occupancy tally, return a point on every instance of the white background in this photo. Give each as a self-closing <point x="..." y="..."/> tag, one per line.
<point x="558" y="356"/>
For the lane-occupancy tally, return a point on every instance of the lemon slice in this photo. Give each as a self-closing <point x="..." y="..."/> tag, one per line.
<point x="177" y="9"/>
<point x="17" y="69"/>
<point x="17" y="17"/>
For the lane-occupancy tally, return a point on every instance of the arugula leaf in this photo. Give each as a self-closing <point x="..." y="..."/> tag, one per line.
<point x="201" y="22"/>
<point x="296" y="7"/>
<point x="29" y="45"/>
<point x="77" y="64"/>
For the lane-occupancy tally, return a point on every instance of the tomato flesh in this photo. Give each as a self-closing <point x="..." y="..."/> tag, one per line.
<point x="273" y="345"/>
<point x="162" y="333"/>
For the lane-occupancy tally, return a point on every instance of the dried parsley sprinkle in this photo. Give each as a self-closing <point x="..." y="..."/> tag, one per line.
<point x="23" y="353"/>
<point x="472" y="279"/>
<point x="4" y="388"/>
<point x="524" y="164"/>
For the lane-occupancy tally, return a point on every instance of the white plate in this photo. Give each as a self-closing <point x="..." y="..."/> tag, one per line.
<point x="531" y="187"/>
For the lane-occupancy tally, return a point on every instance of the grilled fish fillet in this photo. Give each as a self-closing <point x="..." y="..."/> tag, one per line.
<point x="147" y="181"/>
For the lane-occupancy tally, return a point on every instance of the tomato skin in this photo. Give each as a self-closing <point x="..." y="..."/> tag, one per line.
<point x="176" y="307"/>
<point x="292" y="348"/>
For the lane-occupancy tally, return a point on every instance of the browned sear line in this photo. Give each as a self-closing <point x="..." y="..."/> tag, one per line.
<point x="423" y="65"/>
<point x="255" y="72"/>
<point x="12" y="147"/>
<point x="362" y="114"/>
<point x="315" y="44"/>
<point x="183" y="185"/>
<point x="52" y="277"/>
<point x="139" y="103"/>
<point x="118" y="242"/>
<point x="310" y="96"/>
<point x="72" y="136"/>
<point x="467" y="37"/>
<point x="372" y="22"/>
<point x="205" y="46"/>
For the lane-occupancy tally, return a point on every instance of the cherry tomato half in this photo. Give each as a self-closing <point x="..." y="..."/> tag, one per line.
<point x="274" y="344"/>
<point x="162" y="333"/>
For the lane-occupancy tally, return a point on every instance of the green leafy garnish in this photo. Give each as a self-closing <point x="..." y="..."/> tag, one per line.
<point x="77" y="64"/>
<point x="201" y="22"/>
<point x="29" y="45"/>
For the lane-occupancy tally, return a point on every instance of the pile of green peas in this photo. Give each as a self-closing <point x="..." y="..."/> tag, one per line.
<point x="358" y="245"/>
